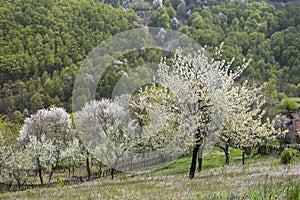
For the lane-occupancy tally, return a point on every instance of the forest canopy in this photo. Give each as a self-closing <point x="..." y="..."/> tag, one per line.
<point x="43" y="43"/>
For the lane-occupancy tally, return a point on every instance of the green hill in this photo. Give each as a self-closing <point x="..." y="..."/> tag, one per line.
<point x="43" y="43"/>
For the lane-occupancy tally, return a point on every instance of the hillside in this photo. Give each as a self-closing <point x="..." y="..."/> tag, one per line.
<point x="261" y="178"/>
<point x="44" y="42"/>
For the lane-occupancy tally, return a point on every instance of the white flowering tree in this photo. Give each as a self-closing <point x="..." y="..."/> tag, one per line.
<point x="156" y="111"/>
<point x="5" y="154"/>
<point x="244" y="125"/>
<point x="46" y="135"/>
<point x="103" y="125"/>
<point x="19" y="166"/>
<point x="72" y="156"/>
<point x="15" y="164"/>
<point x="19" y="163"/>
<point x="199" y="83"/>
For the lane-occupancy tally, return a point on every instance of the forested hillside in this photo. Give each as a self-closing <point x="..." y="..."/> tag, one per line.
<point x="259" y="31"/>
<point x="43" y="43"/>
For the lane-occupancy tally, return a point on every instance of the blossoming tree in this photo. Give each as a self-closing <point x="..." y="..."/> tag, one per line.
<point x="244" y="125"/>
<point x="46" y="134"/>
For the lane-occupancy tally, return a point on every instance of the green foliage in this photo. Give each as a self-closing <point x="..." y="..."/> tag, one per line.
<point x="8" y="131"/>
<point x="49" y="39"/>
<point x="288" y="156"/>
<point x="44" y="42"/>
<point x="59" y="182"/>
<point x="171" y="12"/>
<point x="253" y="30"/>
<point x="287" y="105"/>
<point x="161" y="17"/>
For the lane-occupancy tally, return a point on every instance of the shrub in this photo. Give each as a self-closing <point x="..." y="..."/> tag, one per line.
<point x="60" y="182"/>
<point x="288" y="156"/>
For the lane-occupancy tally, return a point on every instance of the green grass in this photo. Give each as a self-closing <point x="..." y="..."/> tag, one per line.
<point x="212" y="159"/>
<point x="262" y="177"/>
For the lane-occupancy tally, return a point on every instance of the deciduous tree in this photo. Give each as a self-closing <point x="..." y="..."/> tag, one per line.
<point x="47" y="132"/>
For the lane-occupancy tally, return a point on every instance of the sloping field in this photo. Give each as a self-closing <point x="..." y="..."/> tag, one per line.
<point x="265" y="179"/>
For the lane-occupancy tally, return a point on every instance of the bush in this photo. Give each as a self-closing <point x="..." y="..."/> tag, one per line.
<point x="288" y="156"/>
<point x="60" y="182"/>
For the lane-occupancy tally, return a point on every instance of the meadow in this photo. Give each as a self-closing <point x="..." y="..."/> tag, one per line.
<point x="262" y="177"/>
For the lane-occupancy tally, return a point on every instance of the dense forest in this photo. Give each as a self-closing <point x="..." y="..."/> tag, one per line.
<point x="258" y="31"/>
<point x="42" y="45"/>
<point x="44" y="42"/>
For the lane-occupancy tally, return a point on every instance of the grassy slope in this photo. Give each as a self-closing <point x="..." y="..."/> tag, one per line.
<point x="262" y="177"/>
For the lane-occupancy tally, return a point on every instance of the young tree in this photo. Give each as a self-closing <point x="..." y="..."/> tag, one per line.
<point x="42" y="153"/>
<point x="14" y="163"/>
<point x="18" y="166"/>
<point x="244" y="125"/>
<point x="72" y="156"/>
<point x="101" y="127"/>
<point x="5" y="154"/>
<point x="47" y="132"/>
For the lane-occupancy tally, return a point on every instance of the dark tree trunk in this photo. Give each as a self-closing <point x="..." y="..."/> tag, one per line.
<point x="243" y="157"/>
<point x="51" y="173"/>
<point x="226" y="150"/>
<point x="100" y="170"/>
<point x="40" y="171"/>
<point x="200" y="158"/>
<point x="69" y="169"/>
<point x="88" y="169"/>
<point x="18" y="182"/>
<point x="53" y="168"/>
<point x="112" y="173"/>
<point x="40" y="175"/>
<point x="194" y="161"/>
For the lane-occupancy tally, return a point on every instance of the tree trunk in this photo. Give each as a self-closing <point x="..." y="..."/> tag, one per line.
<point x="200" y="158"/>
<point x="18" y="182"/>
<point x="53" y="168"/>
<point x="243" y="157"/>
<point x="226" y="150"/>
<point x="40" y="171"/>
<point x="112" y="173"/>
<point x="88" y="169"/>
<point x="100" y="170"/>
<point x="194" y="161"/>
<point x="51" y="173"/>
<point x="19" y="185"/>
<point x="69" y="169"/>
<point x="40" y="175"/>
